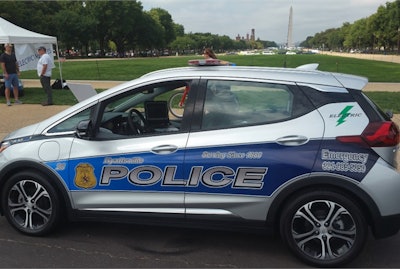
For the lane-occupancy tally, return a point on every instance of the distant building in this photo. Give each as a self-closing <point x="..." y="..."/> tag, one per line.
<point x="249" y="37"/>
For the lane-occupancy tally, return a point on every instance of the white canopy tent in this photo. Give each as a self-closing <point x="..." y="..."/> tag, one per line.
<point x="26" y="44"/>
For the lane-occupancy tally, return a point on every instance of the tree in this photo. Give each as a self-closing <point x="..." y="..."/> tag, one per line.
<point x="393" y="15"/>
<point x="179" y="29"/>
<point x="226" y="43"/>
<point x="75" y="25"/>
<point x="182" y="43"/>
<point x="101" y="15"/>
<point x="149" y="33"/>
<point x="37" y="16"/>
<point x="358" y="36"/>
<point x="379" y="26"/>
<point x="162" y="17"/>
<point x="123" y="27"/>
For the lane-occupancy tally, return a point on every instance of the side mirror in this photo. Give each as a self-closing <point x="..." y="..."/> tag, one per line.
<point x="389" y="113"/>
<point x="84" y="129"/>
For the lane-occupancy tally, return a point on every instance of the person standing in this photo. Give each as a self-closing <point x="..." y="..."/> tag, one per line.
<point x="11" y="72"/>
<point x="44" y="66"/>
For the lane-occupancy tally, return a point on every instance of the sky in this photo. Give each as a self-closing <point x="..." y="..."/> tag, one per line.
<point x="269" y="18"/>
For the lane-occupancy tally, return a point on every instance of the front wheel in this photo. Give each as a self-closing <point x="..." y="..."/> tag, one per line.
<point x="323" y="228"/>
<point x="31" y="204"/>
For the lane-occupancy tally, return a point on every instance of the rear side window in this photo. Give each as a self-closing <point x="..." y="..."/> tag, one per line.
<point x="373" y="111"/>
<point x="238" y="103"/>
<point x="321" y="98"/>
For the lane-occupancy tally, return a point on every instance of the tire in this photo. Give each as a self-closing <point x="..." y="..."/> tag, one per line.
<point x="30" y="204"/>
<point x="323" y="228"/>
<point x="173" y="104"/>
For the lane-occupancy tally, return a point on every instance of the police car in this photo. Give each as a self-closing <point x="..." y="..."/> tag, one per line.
<point x="297" y="151"/>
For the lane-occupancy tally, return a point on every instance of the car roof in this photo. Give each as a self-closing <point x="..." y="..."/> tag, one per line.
<point x="296" y="75"/>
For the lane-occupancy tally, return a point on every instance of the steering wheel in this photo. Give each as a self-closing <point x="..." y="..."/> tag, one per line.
<point x="137" y="127"/>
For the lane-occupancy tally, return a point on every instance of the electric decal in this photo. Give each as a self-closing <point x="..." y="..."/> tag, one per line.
<point x="344" y="115"/>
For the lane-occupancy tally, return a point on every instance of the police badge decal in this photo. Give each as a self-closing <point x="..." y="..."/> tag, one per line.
<point x="84" y="177"/>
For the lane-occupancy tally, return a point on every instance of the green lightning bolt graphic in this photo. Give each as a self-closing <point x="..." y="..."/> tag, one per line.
<point x="343" y="115"/>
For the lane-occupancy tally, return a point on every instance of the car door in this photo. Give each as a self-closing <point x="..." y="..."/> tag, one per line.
<point x="126" y="165"/>
<point x="253" y="137"/>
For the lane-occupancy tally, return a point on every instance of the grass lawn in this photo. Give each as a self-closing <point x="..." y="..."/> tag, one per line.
<point x="128" y="69"/>
<point x="386" y="100"/>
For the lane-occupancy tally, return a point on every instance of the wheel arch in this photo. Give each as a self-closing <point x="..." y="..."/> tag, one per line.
<point x="24" y="165"/>
<point x="345" y="187"/>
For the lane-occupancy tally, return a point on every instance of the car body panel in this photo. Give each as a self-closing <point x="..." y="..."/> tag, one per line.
<point x="245" y="171"/>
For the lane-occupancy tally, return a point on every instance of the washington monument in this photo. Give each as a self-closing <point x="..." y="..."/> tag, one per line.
<point x="290" y="30"/>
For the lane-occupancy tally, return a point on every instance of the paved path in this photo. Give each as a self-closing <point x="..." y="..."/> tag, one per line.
<point x="374" y="57"/>
<point x="18" y="116"/>
<point x="381" y="86"/>
<point x="97" y="84"/>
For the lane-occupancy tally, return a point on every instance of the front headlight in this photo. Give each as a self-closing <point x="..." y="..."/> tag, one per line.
<point x="8" y="142"/>
<point x="4" y="145"/>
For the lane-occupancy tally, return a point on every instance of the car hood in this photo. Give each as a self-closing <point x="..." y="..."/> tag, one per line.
<point x="22" y="132"/>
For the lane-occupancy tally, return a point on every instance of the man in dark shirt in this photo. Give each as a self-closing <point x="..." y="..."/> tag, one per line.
<point x="11" y="72"/>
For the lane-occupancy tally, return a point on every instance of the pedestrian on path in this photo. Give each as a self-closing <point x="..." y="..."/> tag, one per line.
<point x="11" y="73"/>
<point x="44" y="66"/>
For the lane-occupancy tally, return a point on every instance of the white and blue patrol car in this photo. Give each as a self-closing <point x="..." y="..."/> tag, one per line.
<point x="301" y="152"/>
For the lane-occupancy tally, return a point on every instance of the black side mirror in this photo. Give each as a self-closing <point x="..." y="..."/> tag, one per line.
<point x="84" y="129"/>
<point x="389" y="113"/>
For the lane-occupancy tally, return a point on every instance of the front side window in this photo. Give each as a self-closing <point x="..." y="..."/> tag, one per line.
<point x="143" y="111"/>
<point x="70" y="124"/>
<point x="140" y="112"/>
<point x="236" y="103"/>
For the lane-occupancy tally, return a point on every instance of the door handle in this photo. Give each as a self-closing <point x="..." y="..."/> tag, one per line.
<point x="292" y="140"/>
<point x="164" y="149"/>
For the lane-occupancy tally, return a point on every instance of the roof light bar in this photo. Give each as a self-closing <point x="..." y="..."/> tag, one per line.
<point x="208" y="62"/>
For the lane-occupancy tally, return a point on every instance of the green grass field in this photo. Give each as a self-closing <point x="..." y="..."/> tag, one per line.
<point x="128" y="69"/>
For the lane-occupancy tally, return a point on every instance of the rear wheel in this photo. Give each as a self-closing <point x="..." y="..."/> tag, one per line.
<point x="323" y="228"/>
<point x="31" y="204"/>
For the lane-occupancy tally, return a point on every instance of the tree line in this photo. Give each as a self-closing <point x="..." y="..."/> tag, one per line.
<point x="120" y="26"/>
<point x="378" y="32"/>
<point x="124" y="27"/>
